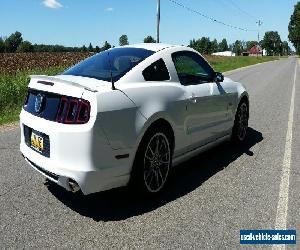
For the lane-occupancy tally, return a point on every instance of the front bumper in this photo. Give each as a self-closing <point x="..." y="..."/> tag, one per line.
<point x="78" y="153"/>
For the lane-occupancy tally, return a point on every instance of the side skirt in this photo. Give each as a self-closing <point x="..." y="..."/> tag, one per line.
<point x="181" y="158"/>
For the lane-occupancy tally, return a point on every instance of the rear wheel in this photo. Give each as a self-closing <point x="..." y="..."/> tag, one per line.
<point x="153" y="162"/>
<point x="240" y="127"/>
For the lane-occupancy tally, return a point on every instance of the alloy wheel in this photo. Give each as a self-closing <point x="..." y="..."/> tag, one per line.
<point x="157" y="160"/>
<point x="242" y="121"/>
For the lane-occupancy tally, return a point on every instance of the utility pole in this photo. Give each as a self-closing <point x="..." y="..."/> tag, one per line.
<point x="259" y="23"/>
<point x="280" y="49"/>
<point x="158" y="21"/>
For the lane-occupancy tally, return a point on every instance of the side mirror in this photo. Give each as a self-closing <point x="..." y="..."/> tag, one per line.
<point x="218" y="77"/>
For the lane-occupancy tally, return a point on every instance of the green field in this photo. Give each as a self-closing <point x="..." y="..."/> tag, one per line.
<point x="13" y="86"/>
<point x="223" y="64"/>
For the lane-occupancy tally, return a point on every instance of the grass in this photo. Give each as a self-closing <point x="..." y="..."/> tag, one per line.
<point x="223" y="64"/>
<point x="13" y="87"/>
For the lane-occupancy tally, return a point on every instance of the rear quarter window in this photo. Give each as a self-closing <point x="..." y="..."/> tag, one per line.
<point x="157" y="71"/>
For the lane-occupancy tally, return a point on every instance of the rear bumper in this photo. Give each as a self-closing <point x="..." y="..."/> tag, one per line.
<point x="78" y="153"/>
<point x="87" y="182"/>
<point x="63" y="181"/>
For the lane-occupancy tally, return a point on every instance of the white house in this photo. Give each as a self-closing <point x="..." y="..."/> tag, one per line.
<point x="224" y="53"/>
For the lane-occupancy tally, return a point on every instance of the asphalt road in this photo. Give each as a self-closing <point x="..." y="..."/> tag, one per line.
<point x="209" y="199"/>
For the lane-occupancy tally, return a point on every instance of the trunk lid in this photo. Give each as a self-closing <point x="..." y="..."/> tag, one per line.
<point x="50" y="89"/>
<point x="64" y="85"/>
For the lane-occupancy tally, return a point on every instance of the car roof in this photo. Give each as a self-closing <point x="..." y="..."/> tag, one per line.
<point x="152" y="46"/>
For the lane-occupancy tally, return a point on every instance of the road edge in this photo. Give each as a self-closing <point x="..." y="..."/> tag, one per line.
<point x="8" y="126"/>
<point x="250" y="66"/>
<point x="283" y="199"/>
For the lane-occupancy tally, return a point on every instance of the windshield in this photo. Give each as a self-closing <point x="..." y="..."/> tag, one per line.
<point x="117" y="61"/>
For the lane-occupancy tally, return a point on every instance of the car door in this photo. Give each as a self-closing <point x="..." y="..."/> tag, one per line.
<point x="221" y="105"/>
<point x="207" y="104"/>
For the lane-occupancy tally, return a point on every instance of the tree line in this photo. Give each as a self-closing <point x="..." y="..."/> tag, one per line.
<point x="15" y="43"/>
<point x="294" y="28"/>
<point x="271" y="42"/>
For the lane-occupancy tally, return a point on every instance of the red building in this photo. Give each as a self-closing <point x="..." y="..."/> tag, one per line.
<point x="256" y="50"/>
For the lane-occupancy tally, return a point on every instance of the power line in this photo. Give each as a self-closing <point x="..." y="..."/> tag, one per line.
<point x="241" y="10"/>
<point x="210" y="18"/>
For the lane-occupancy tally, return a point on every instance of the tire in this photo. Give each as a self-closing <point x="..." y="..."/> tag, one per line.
<point x="239" y="130"/>
<point x="153" y="162"/>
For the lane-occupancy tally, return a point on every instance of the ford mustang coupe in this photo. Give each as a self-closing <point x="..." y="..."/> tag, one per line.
<point x="127" y="115"/>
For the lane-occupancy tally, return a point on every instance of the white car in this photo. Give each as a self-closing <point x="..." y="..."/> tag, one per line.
<point x="126" y="115"/>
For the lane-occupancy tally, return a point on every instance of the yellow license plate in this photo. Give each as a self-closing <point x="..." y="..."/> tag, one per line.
<point x="37" y="142"/>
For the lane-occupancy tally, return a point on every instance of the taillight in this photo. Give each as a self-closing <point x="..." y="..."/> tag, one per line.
<point x="73" y="111"/>
<point x="84" y="112"/>
<point x="60" y="117"/>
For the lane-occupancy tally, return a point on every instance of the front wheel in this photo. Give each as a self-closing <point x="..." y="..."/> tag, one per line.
<point x="153" y="162"/>
<point x="240" y="127"/>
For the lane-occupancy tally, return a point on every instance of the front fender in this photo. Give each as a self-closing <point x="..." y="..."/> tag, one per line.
<point x="242" y="92"/>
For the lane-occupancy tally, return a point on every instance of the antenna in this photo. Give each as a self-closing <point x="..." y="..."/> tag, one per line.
<point x="111" y="74"/>
<point x="112" y="81"/>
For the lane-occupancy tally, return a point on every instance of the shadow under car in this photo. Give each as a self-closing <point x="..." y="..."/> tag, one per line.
<point x="122" y="203"/>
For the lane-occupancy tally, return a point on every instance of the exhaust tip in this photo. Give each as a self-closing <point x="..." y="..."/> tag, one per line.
<point x="74" y="187"/>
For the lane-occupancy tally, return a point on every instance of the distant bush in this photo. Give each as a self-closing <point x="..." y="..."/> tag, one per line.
<point x="13" y="42"/>
<point x="123" y="40"/>
<point x="149" y="39"/>
<point x="2" y="45"/>
<point x="25" y="47"/>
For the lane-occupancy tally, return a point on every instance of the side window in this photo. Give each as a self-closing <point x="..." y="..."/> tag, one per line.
<point x="191" y="68"/>
<point x="157" y="71"/>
